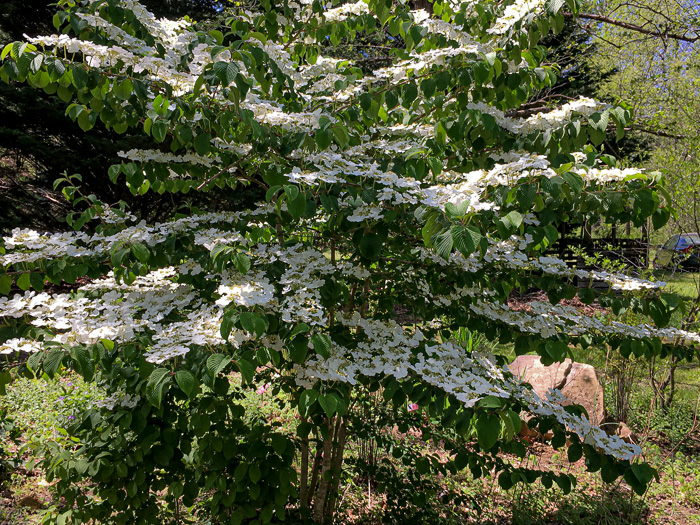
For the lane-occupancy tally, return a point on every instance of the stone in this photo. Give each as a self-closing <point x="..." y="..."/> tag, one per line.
<point x="583" y="388"/>
<point x="578" y="383"/>
<point x="528" y="368"/>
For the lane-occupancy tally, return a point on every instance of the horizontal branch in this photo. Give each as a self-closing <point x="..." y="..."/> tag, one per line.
<point x="633" y="27"/>
<point x="656" y="132"/>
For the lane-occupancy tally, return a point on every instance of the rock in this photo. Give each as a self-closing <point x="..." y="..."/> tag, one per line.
<point x="528" y="368"/>
<point x="625" y="433"/>
<point x="583" y="388"/>
<point x="578" y="383"/>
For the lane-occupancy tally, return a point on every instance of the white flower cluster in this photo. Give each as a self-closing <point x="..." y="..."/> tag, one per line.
<point x="386" y="349"/>
<point x="16" y="345"/>
<point x="514" y="13"/>
<point x="344" y="11"/>
<point x="121" y="399"/>
<point x="151" y="155"/>
<point x="557" y="118"/>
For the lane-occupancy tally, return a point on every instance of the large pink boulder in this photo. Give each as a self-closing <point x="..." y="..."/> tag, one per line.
<point x="578" y="383"/>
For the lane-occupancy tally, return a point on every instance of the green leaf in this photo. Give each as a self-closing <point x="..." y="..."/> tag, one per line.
<point x="341" y="135"/>
<point x="254" y="473"/>
<point x="247" y="370"/>
<point x="564" y="482"/>
<point x="52" y="362"/>
<point x="422" y="465"/>
<point x="291" y="191"/>
<point x="253" y="323"/>
<point x="242" y="263"/>
<point x="155" y="387"/>
<point x="202" y="143"/>
<point x="444" y="244"/>
<point x="329" y="403"/>
<point x="466" y="240"/>
<point x="639" y="476"/>
<point x="323" y="138"/>
<point x="228" y="321"/>
<point x="216" y="363"/>
<point x="575" y="452"/>
<point x="187" y="382"/>
<point x="427" y="86"/>
<point x="5" y="284"/>
<point x="123" y="89"/>
<point x="322" y="344"/>
<point x="141" y="252"/>
<point x="23" y="282"/>
<point x="515" y="219"/>
<point x="279" y="443"/>
<point x="306" y="399"/>
<point x="574" y="180"/>
<point x="297" y="207"/>
<point x="298" y="349"/>
<point x="488" y="429"/>
<point x="5" y="379"/>
<point x="370" y="246"/>
<point x="300" y="329"/>
<point x="159" y="129"/>
<point x="37" y="280"/>
<point x="226" y="72"/>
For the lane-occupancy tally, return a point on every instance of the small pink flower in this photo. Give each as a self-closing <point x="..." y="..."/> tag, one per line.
<point x="263" y="389"/>
<point x="412" y="407"/>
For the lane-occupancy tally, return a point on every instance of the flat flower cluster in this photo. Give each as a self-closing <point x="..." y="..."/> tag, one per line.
<point x="341" y="243"/>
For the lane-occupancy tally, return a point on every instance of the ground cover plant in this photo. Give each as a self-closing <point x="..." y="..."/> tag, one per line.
<point x="399" y="207"/>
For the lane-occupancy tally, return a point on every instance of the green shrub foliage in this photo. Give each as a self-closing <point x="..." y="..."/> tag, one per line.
<point x="403" y="204"/>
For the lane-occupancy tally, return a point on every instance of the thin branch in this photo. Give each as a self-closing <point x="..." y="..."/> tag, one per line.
<point x="632" y="27"/>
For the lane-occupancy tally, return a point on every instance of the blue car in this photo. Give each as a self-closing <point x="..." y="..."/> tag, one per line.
<point x="680" y="251"/>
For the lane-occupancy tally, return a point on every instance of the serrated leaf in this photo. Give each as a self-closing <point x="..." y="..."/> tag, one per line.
<point x="466" y="240"/>
<point x="228" y="320"/>
<point x="307" y="398"/>
<point x="141" y="252"/>
<point x="329" y="403"/>
<point x="574" y="180"/>
<point x="155" y="387"/>
<point x="242" y="263"/>
<point x="341" y="135"/>
<point x="298" y="349"/>
<point x="216" y="363"/>
<point x="553" y="6"/>
<point x="159" y="129"/>
<point x="291" y="191"/>
<point x="299" y="329"/>
<point x="24" y="282"/>
<point x="322" y="344"/>
<point x="444" y="244"/>
<point x="52" y="362"/>
<point x="226" y="72"/>
<point x="247" y="370"/>
<point x="187" y="382"/>
<point x="252" y="323"/>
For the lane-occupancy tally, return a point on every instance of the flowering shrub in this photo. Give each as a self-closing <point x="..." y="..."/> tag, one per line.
<point x="418" y="187"/>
